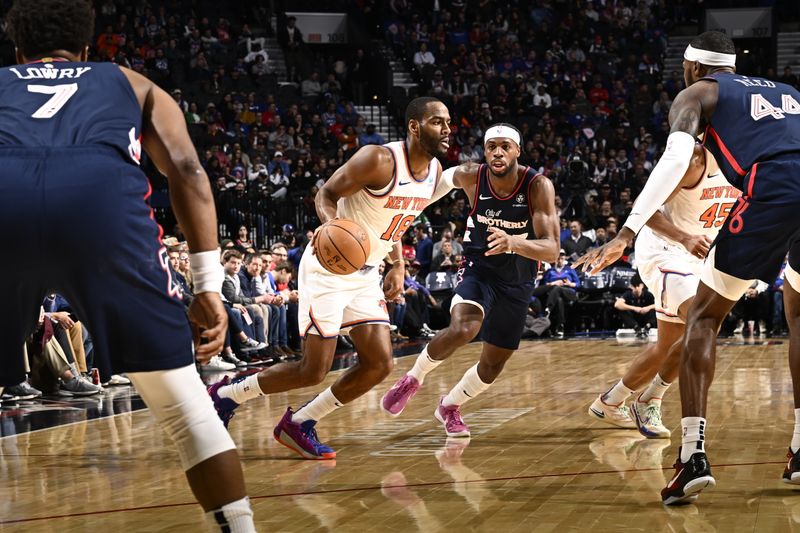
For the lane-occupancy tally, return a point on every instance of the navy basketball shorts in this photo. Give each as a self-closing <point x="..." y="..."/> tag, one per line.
<point x="504" y="305"/>
<point x="76" y="221"/>
<point x="760" y="229"/>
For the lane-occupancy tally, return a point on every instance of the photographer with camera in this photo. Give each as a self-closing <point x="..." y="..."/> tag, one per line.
<point x="576" y="181"/>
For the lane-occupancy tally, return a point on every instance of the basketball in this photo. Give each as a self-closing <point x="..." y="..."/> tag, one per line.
<point x="342" y="247"/>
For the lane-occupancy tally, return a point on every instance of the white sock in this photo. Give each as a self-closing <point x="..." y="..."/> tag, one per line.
<point x="423" y="365"/>
<point x="795" y="445"/>
<point x="236" y="517"/>
<point x="242" y="391"/>
<point x="470" y="386"/>
<point x="656" y="389"/>
<point x="324" y="404"/>
<point x="694" y="436"/>
<point x="617" y="394"/>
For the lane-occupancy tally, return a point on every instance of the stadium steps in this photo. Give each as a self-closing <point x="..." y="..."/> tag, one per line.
<point x="673" y="59"/>
<point x="788" y="52"/>
<point x="401" y="77"/>
<point x="276" y="61"/>
<point x="379" y="115"/>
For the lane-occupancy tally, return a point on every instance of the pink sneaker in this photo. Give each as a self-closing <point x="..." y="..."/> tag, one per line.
<point x="450" y="416"/>
<point x="396" y="398"/>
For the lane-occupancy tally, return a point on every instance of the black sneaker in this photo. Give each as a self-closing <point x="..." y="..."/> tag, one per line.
<point x="791" y="474"/>
<point x="232" y="359"/>
<point x="689" y="479"/>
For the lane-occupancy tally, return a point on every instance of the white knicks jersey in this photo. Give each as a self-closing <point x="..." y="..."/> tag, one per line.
<point x="701" y="210"/>
<point x="386" y="214"/>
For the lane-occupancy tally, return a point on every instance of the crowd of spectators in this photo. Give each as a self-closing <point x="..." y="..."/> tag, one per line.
<point x="583" y="81"/>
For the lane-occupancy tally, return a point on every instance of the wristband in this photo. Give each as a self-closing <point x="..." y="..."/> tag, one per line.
<point x="207" y="271"/>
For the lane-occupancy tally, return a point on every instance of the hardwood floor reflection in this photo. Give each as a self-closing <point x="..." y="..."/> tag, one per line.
<point x="535" y="462"/>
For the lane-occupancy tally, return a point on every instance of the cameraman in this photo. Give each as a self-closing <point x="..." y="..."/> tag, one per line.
<point x="577" y="183"/>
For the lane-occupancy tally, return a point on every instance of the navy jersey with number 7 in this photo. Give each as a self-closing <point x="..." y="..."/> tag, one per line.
<point x="69" y="154"/>
<point x="53" y="103"/>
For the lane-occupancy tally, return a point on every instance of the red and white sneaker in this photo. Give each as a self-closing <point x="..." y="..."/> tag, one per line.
<point x="690" y="478"/>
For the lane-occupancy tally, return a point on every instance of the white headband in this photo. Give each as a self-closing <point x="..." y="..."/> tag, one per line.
<point x="501" y="131"/>
<point x="706" y="57"/>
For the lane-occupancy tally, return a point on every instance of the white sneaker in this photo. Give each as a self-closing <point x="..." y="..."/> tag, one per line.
<point x="616" y="415"/>
<point x="647" y="416"/>
<point x="117" y="379"/>
<point x="217" y="364"/>
<point x="254" y="344"/>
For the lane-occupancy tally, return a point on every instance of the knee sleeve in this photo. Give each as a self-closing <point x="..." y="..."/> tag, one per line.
<point x="182" y="407"/>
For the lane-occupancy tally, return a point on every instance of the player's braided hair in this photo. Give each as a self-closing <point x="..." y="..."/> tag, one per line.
<point x="714" y="41"/>
<point x="416" y="107"/>
<point x="38" y="27"/>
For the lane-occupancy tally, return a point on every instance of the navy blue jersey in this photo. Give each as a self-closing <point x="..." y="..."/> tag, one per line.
<point x="511" y="214"/>
<point x="56" y="103"/>
<point x="755" y="121"/>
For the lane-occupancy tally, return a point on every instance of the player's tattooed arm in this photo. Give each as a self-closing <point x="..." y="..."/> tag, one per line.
<point x="370" y="167"/>
<point x="693" y="107"/>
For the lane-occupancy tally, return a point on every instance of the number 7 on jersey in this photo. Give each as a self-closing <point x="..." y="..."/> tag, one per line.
<point x="61" y="95"/>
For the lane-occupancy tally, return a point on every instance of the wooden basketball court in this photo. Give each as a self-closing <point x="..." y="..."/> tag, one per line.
<point x="535" y="462"/>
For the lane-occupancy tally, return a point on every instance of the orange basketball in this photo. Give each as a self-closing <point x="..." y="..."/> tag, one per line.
<point x="342" y="247"/>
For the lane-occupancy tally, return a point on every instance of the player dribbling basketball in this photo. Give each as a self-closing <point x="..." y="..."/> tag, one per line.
<point x="513" y="225"/>
<point x="383" y="189"/>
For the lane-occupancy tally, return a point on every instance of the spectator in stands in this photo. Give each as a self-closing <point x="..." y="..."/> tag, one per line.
<point x="285" y="288"/>
<point x="253" y="287"/>
<point x="600" y="237"/>
<point x="278" y="161"/>
<point x="232" y="292"/>
<point x="243" y="240"/>
<point x="752" y="310"/>
<point x="542" y="98"/>
<point x="279" y="183"/>
<point x="311" y="88"/>
<point x="636" y="307"/>
<point x="423" y="57"/>
<point x="557" y="290"/>
<point x="423" y="247"/>
<point x="447" y="236"/>
<point x="52" y="364"/>
<point x="789" y="78"/>
<point x="470" y="152"/>
<point x="291" y="40"/>
<point x="370" y="136"/>
<point x="576" y="244"/>
<point x="419" y="302"/>
<point x="446" y="259"/>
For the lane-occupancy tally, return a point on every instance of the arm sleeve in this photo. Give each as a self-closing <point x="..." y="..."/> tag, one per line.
<point x="664" y="178"/>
